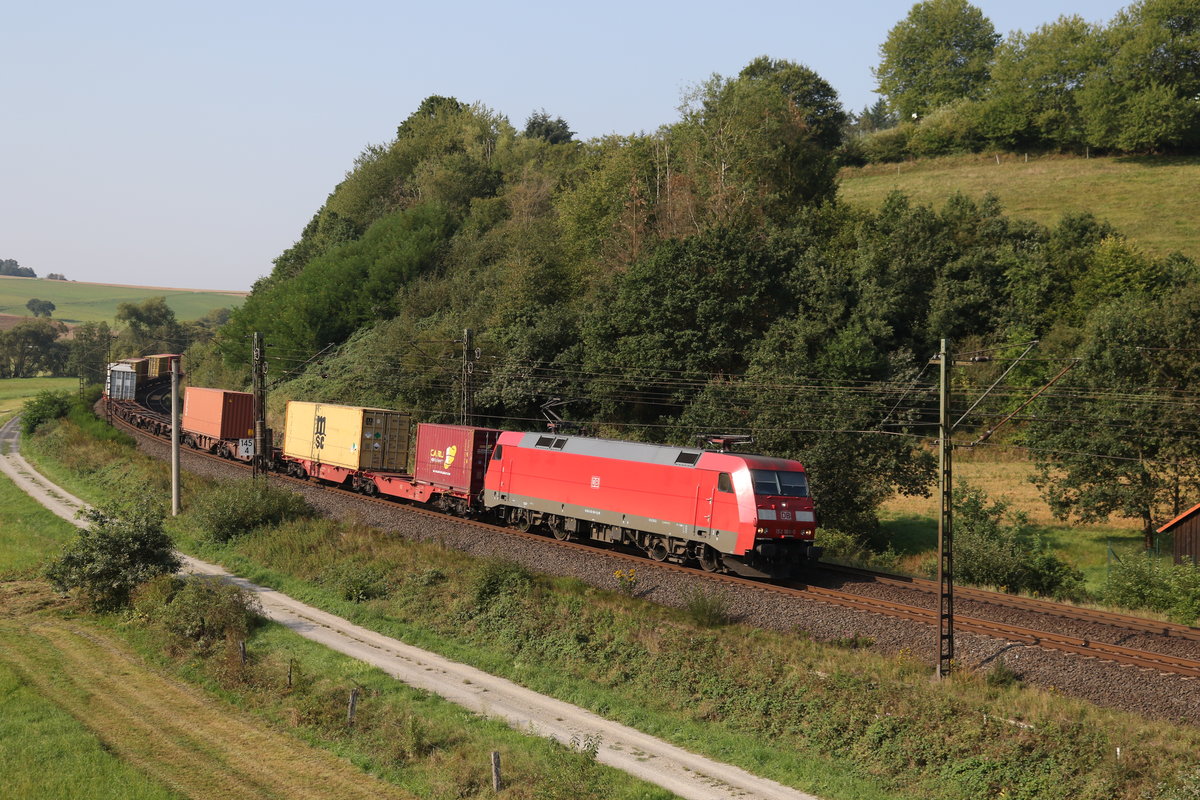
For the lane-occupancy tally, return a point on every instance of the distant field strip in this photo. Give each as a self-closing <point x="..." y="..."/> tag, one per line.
<point x="168" y="730"/>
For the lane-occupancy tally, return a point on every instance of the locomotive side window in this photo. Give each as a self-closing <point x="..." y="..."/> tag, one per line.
<point x="779" y="484"/>
<point x="725" y="483"/>
<point x="498" y="453"/>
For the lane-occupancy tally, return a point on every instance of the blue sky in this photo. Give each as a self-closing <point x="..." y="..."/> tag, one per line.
<point x="187" y="145"/>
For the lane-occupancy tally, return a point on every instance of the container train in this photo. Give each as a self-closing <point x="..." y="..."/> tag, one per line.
<point x="747" y="514"/>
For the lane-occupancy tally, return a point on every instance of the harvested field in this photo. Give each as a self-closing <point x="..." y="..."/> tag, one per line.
<point x="168" y="730"/>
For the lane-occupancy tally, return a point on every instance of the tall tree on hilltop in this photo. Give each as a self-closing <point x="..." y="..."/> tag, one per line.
<point x="1033" y="97"/>
<point x="941" y="52"/>
<point x="1145" y="95"/>
<point x="541" y="126"/>
<point x="759" y="146"/>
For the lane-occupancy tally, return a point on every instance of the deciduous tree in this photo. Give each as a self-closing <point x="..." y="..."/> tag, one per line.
<point x="941" y="52"/>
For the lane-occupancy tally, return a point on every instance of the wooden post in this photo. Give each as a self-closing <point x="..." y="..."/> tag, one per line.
<point x="353" y="706"/>
<point x="291" y="661"/>
<point x="242" y="651"/>
<point x="495" y="771"/>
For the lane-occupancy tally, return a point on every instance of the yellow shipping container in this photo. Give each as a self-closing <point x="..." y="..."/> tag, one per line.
<point x="352" y="437"/>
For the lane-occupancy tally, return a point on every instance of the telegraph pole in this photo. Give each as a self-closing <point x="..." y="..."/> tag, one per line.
<point x="945" y="520"/>
<point x="467" y="412"/>
<point x="174" y="437"/>
<point x="258" y="460"/>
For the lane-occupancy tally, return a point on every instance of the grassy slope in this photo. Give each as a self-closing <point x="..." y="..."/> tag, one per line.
<point x="92" y="302"/>
<point x="1152" y="201"/>
<point x="166" y="730"/>
<point x="34" y="730"/>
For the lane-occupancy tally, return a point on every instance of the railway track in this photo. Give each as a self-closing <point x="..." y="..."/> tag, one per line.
<point x="1032" y="604"/>
<point x="1077" y="645"/>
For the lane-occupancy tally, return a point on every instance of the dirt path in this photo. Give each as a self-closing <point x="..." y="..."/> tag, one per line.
<point x="653" y="760"/>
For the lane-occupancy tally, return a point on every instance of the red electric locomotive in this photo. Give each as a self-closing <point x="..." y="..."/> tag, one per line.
<point x="749" y="514"/>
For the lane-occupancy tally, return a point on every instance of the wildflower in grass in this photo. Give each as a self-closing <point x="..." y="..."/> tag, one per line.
<point x="626" y="580"/>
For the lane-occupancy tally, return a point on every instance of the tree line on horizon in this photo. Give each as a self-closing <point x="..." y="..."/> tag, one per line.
<point x="950" y="83"/>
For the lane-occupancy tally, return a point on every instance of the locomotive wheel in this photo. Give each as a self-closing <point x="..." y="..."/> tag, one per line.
<point x="657" y="551"/>
<point x="710" y="559"/>
<point x="522" y="522"/>
<point x="560" y="531"/>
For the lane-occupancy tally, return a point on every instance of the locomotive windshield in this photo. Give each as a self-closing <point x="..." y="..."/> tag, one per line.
<point x="781" y="484"/>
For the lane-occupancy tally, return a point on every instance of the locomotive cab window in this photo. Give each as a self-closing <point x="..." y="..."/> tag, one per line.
<point x="724" y="483"/>
<point x="779" y="484"/>
<point x="498" y="453"/>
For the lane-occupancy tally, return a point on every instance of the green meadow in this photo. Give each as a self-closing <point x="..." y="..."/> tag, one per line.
<point x="77" y="302"/>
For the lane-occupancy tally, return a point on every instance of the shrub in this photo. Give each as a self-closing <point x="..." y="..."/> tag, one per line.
<point x="854" y="549"/>
<point x="429" y="577"/>
<point x="119" y="550"/>
<point x="233" y="508"/>
<point x="82" y="415"/>
<point x="708" y="609"/>
<point x="499" y="578"/>
<point x="887" y="145"/>
<point x="1142" y="581"/>
<point x="357" y="582"/>
<point x="952" y="128"/>
<point x="1001" y="675"/>
<point x="44" y="407"/>
<point x="994" y="546"/>
<point x="198" y="611"/>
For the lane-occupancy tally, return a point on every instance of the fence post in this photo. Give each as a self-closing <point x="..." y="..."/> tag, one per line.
<point x="495" y="771"/>
<point x="353" y="706"/>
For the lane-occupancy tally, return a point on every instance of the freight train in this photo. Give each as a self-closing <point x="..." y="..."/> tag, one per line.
<point x="724" y="511"/>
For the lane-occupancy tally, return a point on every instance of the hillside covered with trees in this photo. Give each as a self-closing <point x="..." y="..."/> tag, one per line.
<point x="705" y="278"/>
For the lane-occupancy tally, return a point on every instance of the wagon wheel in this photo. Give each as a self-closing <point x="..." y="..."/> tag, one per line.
<point x="710" y="559"/>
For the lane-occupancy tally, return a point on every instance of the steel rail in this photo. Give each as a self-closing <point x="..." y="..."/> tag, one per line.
<point x="1114" y="619"/>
